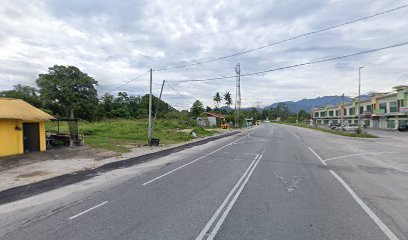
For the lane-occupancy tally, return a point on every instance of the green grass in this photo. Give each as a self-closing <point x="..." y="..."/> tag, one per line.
<point x="120" y="135"/>
<point x="203" y="132"/>
<point x="346" y="134"/>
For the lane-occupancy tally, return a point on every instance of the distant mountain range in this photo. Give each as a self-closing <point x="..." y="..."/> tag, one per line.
<point x="306" y="104"/>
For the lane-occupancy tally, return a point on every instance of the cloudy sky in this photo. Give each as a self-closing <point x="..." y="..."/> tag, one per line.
<point x="116" y="41"/>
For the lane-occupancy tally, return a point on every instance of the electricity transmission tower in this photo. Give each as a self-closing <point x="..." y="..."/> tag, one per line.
<point x="237" y="94"/>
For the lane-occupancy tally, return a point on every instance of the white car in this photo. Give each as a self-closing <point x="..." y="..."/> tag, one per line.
<point x="350" y="127"/>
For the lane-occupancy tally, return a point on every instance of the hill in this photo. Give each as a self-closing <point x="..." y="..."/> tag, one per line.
<point x="308" y="104"/>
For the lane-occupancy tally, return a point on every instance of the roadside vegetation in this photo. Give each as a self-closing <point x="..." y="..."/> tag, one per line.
<point x="344" y="133"/>
<point x="120" y="135"/>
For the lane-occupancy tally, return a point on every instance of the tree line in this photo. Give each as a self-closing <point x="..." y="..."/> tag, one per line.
<point x="66" y="91"/>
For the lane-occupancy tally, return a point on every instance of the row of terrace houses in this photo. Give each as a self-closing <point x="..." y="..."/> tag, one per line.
<point x="381" y="110"/>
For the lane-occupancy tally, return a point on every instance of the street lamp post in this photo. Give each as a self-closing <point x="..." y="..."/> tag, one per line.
<point x="359" y="95"/>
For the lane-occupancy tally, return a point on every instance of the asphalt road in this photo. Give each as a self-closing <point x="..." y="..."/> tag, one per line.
<point x="269" y="183"/>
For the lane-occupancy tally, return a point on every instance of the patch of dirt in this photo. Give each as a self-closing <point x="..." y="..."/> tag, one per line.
<point x="33" y="174"/>
<point x="55" y="154"/>
<point x="187" y="130"/>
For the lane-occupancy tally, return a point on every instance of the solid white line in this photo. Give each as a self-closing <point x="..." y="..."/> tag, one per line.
<point x="294" y="134"/>
<point x="317" y="155"/>
<point x="370" y="213"/>
<point x="358" y="154"/>
<point x="90" y="209"/>
<point x="182" y="166"/>
<point x="214" y="217"/>
<point x="231" y="204"/>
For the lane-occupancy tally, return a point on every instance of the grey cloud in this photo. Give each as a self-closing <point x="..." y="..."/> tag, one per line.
<point x="114" y="41"/>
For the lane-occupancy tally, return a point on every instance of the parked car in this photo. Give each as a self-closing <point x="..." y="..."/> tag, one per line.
<point x="403" y="128"/>
<point x="335" y="126"/>
<point x="350" y="127"/>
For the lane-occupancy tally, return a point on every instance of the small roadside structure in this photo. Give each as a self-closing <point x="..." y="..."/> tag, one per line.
<point x="249" y="122"/>
<point x="22" y="127"/>
<point x="72" y="138"/>
<point x="212" y="118"/>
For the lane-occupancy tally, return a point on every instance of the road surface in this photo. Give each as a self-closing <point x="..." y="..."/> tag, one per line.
<point x="272" y="182"/>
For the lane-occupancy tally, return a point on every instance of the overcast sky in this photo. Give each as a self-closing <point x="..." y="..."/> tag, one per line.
<point x="115" y="41"/>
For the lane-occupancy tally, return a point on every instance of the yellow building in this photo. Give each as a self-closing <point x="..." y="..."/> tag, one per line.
<point x="22" y="127"/>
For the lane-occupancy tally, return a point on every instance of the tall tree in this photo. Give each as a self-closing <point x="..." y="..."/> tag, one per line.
<point x="228" y="99"/>
<point x="303" y="115"/>
<point x="69" y="89"/>
<point x="26" y="93"/>
<point x="197" y="109"/>
<point x="217" y="99"/>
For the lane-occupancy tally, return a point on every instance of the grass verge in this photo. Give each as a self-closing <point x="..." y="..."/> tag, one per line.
<point x="346" y="134"/>
<point x="120" y="135"/>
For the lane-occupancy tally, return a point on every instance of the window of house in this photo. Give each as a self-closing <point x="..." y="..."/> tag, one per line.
<point x="331" y="113"/>
<point x="361" y="110"/>
<point x="316" y="114"/>
<point x="344" y="112"/>
<point x="393" y="107"/>
<point x="351" y="111"/>
<point x="369" y="108"/>
<point x="337" y="113"/>
<point x="383" y="106"/>
<point x="322" y="114"/>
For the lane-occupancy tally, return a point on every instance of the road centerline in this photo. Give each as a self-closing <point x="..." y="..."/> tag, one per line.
<point x="234" y="199"/>
<point x="221" y="207"/>
<point x="244" y="177"/>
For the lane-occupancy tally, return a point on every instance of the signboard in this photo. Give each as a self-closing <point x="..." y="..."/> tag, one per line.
<point x="404" y="109"/>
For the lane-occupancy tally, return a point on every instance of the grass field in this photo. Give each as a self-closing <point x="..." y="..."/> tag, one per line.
<point x="347" y="134"/>
<point x="120" y="135"/>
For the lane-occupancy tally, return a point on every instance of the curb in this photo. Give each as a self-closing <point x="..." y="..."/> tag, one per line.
<point x="25" y="191"/>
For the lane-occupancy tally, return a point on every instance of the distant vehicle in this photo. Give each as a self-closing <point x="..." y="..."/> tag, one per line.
<point x="335" y="126"/>
<point x="350" y="127"/>
<point x="267" y="121"/>
<point x="403" y="128"/>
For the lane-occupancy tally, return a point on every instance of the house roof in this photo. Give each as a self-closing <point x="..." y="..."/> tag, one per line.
<point x="11" y="108"/>
<point x="216" y="115"/>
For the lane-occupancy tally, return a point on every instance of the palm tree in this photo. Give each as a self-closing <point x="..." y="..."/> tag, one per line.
<point x="228" y="99"/>
<point x="217" y="99"/>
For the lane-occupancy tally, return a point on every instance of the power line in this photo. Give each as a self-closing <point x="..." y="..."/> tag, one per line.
<point x="170" y="85"/>
<point x="283" y="41"/>
<point x="127" y="83"/>
<point x="297" y="65"/>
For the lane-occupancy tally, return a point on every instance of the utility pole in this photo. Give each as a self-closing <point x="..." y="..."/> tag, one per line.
<point x="359" y="95"/>
<point x="297" y="117"/>
<point x="157" y="107"/>
<point x="237" y="94"/>
<point x="149" y="132"/>
<point x="342" y="112"/>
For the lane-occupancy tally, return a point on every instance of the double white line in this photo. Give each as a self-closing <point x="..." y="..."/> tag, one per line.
<point x="240" y="186"/>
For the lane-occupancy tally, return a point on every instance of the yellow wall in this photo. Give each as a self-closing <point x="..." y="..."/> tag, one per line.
<point x="11" y="140"/>
<point x="42" y="136"/>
